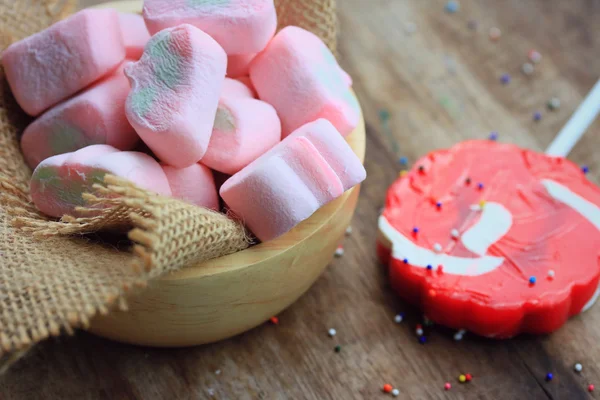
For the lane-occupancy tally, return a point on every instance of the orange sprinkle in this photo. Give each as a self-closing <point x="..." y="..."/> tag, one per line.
<point x="275" y="320"/>
<point x="387" y="388"/>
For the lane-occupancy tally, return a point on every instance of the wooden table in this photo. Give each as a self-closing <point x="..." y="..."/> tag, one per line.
<point x="440" y="85"/>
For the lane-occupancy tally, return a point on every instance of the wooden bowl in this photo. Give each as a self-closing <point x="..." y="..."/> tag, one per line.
<point x="220" y="298"/>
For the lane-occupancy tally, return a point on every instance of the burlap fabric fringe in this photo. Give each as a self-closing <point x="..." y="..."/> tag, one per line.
<point x="53" y="278"/>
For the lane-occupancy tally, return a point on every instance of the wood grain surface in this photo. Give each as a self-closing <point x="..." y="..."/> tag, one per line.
<point x="440" y="85"/>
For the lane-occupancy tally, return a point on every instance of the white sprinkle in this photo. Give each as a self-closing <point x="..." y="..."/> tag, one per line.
<point x="554" y="103"/>
<point x="419" y="331"/>
<point x="332" y="332"/>
<point x="349" y="231"/>
<point x="218" y="372"/>
<point x="437" y="248"/>
<point x="211" y="392"/>
<point x="410" y="28"/>
<point x="578" y="367"/>
<point x="339" y="251"/>
<point x="458" y="336"/>
<point x="395" y="393"/>
<point x="455" y="233"/>
<point x="528" y="68"/>
<point x="551" y="274"/>
<point x="398" y="318"/>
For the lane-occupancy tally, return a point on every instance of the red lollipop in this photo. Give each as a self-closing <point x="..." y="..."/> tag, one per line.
<point x="493" y="239"/>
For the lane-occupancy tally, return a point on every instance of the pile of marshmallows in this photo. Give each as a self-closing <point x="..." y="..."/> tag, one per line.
<point x="207" y="87"/>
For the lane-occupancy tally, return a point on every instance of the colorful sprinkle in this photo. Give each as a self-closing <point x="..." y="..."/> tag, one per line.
<point x="403" y="161"/>
<point x="578" y="367"/>
<point x="395" y="393"/>
<point x="549" y="376"/>
<point x="447" y="386"/>
<point x="495" y="34"/>
<point x="275" y="320"/>
<point x="415" y="230"/>
<point x="551" y="274"/>
<point x="429" y="267"/>
<point x="438" y="204"/>
<point x="405" y="261"/>
<point x="532" y="280"/>
<point x="437" y="248"/>
<point x="534" y="56"/>
<point x="337" y="348"/>
<point x="398" y="318"/>
<point x="458" y="336"/>
<point x="505" y="79"/>
<point x="537" y="116"/>
<point x="462" y="378"/>
<point x="332" y="332"/>
<point x="419" y="330"/>
<point x="339" y="251"/>
<point x="421" y="169"/>
<point x="591" y="388"/>
<point x="493" y="136"/>
<point x="422" y="339"/>
<point x="387" y="388"/>
<point x="349" y="231"/>
<point x="585" y="169"/>
<point x="528" y="68"/>
<point x="482" y="204"/>
<point x="452" y="6"/>
<point x="402" y="174"/>
<point x="455" y="233"/>
<point x="480" y="186"/>
<point x="553" y="104"/>
<point x="468" y="181"/>
<point x="469" y="377"/>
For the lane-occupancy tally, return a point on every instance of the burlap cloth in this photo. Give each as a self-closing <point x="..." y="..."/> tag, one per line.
<point x="55" y="276"/>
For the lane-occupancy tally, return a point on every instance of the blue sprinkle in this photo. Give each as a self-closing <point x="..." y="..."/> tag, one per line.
<point x="537" y="116"/>
<point x="429" y="267"/>
<point x="480" y="186"/>
<point x="415" y="230"/>
<point x="438" y="204"/>
<point x="505" y="79"/>
<point x="402" y="314"/>
<point x="494" y="136"/>
<point x="549" y="376"/>
<point x="403" y="161"/>
<point x="422" y="339"/>
<point x="452" y="6"/>
<point x="585" y="169"/>
<point x="405" y="261"/>
<point x="532" y="280"/>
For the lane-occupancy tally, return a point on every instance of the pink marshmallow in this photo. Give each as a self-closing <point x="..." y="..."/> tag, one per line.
<point x="246" y="81"/>
<point x="135" y="34"/>
<point x="194" y="184"/>
<point x="239" y="26"/>
<point x="239" y="65"/>
<point x="300" y="77"/>
<point x="287" y="184"/>
<point x="54" y="64"/>
<point x="175" y="92"/>
<point x="235" y="88"/>
<point x="57" y="184"/>
<point x="244" y="129"/>
<point x="95" y="116"/>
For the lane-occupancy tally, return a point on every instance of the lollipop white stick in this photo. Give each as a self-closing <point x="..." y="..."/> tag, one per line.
<point x="577" y="125"/>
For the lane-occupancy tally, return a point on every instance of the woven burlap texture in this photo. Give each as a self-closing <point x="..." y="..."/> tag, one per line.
<point x="53" y="278"/>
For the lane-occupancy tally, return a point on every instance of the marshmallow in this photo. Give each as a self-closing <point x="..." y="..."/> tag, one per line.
<point x="239" y="65"/>
<point x="57" y="184"/>
<point x="135" y="34"/>
<point x="239" y="26"/>
<point x="244" y="129"/>
<point x="194" y="184"/>
<point x="291" y="181"/>
<point x="95" y="116"/>
<point x="235" y="88"/>
<point x="300" y="77"/>
<point x="54" y="64"/>
<point x="246" y="81"/>
<point x="175" y="93"/>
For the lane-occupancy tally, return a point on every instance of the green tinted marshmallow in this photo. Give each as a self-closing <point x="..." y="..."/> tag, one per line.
<point x="224" y="121"/>
<point x="65" y="138"/>
<point x="167" y="66"/>
<point x="68" y="190"/>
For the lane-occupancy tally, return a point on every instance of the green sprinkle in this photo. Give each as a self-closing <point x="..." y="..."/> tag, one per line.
<point x="338" y="348"/>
